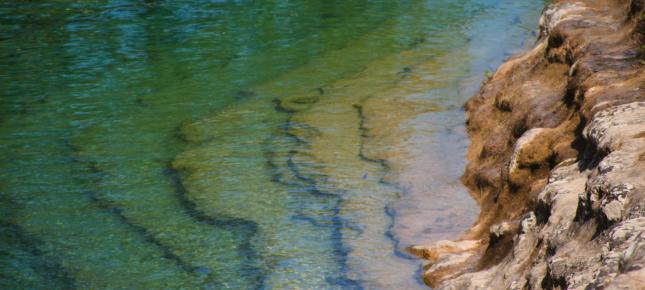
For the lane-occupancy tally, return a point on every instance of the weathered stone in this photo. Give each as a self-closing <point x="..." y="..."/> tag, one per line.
<point x="557" y="160"/>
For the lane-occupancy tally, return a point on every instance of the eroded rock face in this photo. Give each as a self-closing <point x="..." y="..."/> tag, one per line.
<point x="557" y="160"/>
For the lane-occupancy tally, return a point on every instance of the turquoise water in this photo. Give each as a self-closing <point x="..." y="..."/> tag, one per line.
<point x="237" y="144"/>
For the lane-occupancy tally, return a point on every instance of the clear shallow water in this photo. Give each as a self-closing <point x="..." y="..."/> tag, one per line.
<point x="237" y="144"/>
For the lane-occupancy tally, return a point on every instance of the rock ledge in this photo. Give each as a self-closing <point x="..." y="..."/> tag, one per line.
<point x="557" y="160"/>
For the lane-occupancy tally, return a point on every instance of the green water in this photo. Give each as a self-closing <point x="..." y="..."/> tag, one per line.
<point x="226" y="144"/>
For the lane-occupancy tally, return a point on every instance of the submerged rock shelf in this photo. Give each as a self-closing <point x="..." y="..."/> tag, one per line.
<point x="224" y="153"/>
<point x="326" y="183"/>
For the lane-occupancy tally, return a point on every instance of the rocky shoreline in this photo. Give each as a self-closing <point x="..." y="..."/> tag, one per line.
<point x="557" y="160"/>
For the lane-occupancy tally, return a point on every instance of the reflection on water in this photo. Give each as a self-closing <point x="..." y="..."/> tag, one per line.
<point x="235" y="144"/>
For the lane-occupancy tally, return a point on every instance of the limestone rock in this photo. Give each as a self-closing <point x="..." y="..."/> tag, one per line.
<point x="557" y="160"/>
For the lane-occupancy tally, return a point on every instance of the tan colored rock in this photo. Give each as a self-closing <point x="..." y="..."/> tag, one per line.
<point x="557" y="160"/>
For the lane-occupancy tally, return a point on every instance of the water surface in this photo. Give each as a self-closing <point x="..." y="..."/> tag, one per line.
<point x="237" y="144"/>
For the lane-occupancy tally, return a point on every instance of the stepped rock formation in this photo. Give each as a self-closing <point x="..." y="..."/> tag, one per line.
<point x="557" y="160"/>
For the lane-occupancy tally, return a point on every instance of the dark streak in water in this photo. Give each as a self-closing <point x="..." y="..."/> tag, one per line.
<point x="296" y="172"/>
<point x="114" y="209"/>
<point x="417" y="41"/>
<point x="243" y="95"/>
<point x="143" y="232"/>
<point x="361" y="155"/>
<point x="48" y="267"/>
<point x="192" y="211"/>
<point x="140" y="102"/>
<point x="388" y="210"/>
<point x="406" y="71"/>
<point x="300" y="216"/>
<point x="278" y="107"/>
<point x="401" y="254"/>
<point x="340" y="250"/>
<point x="235" y="224"/>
